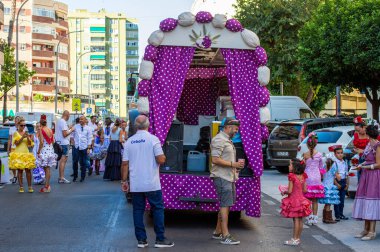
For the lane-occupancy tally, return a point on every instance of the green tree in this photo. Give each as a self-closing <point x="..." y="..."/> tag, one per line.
<point x="277" y="22"/>
<point x="339" y="46"/>
<point x="8" y="73"/>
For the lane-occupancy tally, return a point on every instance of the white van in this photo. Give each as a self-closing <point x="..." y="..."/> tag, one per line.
<point x="35" y="117"/>
<point x="289" y="107"/>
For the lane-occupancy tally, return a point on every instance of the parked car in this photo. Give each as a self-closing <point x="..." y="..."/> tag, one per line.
<point x="271" y="125"/>
<point x="353" y="176"/>
<point x="4" y="133"/>
<point x="327" y="138"/>
<point x="285" y="138"/>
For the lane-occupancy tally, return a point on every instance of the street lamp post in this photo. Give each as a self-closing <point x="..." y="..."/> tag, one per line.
<point x="56" y="69"/>
<point x="89" y="88"/>
<point x="76" y="71"/>
<point x="17" y="60"/>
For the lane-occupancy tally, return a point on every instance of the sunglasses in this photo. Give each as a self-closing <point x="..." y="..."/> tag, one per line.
<point x="22" y="125"/>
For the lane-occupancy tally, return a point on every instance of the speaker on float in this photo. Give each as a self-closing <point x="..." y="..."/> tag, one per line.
<point x="173" y="149"/>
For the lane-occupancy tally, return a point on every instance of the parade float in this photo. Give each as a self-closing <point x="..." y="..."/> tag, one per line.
<point x="192" y="69"/>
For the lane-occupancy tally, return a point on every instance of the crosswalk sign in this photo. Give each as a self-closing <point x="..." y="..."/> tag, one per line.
<point x="76" y="104"/>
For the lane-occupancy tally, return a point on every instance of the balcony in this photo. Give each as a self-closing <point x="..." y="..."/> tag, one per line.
<point x="63" y="23"/>
<point x="43" y="70"/>
<point x="64" y="73"/>
<point x="42" y="36"/>
<point x="63" y="56"/>
<point x="45" y="54"/>
<point x="40" y="19"/>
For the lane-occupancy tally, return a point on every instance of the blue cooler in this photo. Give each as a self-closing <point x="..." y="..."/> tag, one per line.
<point x="196" y="161"/>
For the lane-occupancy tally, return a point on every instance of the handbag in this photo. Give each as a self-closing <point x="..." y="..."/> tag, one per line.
<point x="58" y="150"/>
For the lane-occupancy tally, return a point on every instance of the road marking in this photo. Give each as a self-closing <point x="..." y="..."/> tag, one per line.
<point x="115" y="215"/>
<point x="322" y="240"/>
<point x="269" y="202"/>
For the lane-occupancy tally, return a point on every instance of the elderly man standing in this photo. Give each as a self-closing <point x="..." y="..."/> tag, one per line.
<point x="83" y="143"/>
<point x="62" y="136"/>
<point x="225" y="172"/>
<point x="142" y="157"/>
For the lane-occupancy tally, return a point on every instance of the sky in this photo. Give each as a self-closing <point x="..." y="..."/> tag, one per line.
<point x="151" y="12"/>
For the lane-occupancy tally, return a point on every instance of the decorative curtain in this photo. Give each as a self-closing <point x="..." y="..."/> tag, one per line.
<point x="170" y="71"/>
<point x="241" y="70"/>
<point x="198" y="98"/>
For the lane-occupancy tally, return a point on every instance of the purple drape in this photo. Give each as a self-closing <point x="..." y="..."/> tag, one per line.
<point x="244" y="88"/>
<point x="170" y="71"/>
<point x="198" y="98"/>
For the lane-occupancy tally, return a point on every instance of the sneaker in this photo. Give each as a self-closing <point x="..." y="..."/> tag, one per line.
<point x="14" y="180"/>
<point x="30" y="190"/>
<point x="216" y="236"/>
<point x="142" y="244"/>
<point x="164" y="244"/>
<point x="63" y="181"/>
<point x="45" y="189"/>
<point x="1" y="185"/>
<point x="229" y="240"/>
<point x="21" y="190"/>
<point x="343" y="217"/>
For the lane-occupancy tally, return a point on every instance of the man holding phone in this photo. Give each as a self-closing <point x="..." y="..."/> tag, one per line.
<point x="225" y="172"/>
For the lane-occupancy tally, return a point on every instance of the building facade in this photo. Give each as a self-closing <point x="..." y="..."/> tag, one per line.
<point x="353" y="103"/>
<point x="42" y="26"/>
<point x="132" y="58"/>
<point x="98" y="56"/>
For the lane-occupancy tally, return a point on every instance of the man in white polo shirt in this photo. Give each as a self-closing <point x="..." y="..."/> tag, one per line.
<point x="142" y="157"/>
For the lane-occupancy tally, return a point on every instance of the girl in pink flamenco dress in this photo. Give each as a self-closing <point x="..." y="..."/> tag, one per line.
<point x="314" y="167"/>
<point x="296" y="206"/>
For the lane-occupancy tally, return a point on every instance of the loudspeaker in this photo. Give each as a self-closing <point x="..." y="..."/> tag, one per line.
<point x="246" y="171"/>
<point x="173" y="149"/>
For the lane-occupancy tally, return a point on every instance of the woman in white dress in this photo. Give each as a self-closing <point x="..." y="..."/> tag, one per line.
<point x="46" y="157"/>
<point x="38" y="172"/>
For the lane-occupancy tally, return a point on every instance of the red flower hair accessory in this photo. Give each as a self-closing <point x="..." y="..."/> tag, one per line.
<point x="358" y="120"/>
<point x="43" y="117"/>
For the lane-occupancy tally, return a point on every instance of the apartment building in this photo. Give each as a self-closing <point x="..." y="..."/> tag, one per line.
<point x="42" y="26"/>
<point x="98" y="56"/>
<point x="132" y="57"/>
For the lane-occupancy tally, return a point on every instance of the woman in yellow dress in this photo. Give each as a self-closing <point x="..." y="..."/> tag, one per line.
<point x="20" y="158"/>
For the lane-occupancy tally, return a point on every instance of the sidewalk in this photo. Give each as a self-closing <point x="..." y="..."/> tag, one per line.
<point x="343" y="231"/>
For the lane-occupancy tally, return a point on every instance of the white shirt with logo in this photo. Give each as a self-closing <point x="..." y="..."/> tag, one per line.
<point x="62" y="126"/>
<point x="141" y="151"/>
<point x="82" y="136"/>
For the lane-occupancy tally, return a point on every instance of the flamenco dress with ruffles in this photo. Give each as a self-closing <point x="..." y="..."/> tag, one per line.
<point x="331" y="190"/>
<point x="367" y="199"/>
<point x="47" y="157"/>
<point x="296" y="205"/>
<point x="315" y="188"/>
<point x="20" y="158"/>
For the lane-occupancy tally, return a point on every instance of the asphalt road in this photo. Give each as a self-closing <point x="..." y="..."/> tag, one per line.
<point x="95" y="216"/>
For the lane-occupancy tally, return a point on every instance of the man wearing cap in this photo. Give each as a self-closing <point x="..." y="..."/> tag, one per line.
<point x="225" y="172"/>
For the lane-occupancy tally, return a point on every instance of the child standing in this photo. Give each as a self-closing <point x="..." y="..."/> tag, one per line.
<point x="331" y="191"/>
<point x="296" y="206"/>
<point x="342" y="184"/>
<point x="315" y="188"/>
<point x="99" y="152"/>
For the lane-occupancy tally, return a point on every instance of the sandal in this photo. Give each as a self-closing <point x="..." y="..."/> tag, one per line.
<point x="362" y="234"/>
<point x="21" y="190"/>
<point x="369" y="236"/>
<point x="292" y="242"/>
<point x="45" y="189"/>
<point x="30" y="190"/>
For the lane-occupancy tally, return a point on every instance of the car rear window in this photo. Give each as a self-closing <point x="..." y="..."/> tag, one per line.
<point x="327" y="136"/>
<point x="286" y="132"/>
<point x="4" y="133"/>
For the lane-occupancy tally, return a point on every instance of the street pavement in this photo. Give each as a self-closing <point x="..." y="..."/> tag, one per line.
<point x="95" y="216"/>
<point x="343" y="231"/>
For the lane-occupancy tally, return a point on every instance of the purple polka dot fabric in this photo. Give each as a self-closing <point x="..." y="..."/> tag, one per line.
<point x="194" y="102"/>
<point x="144" y="88"/>
<point x="170" y="70"/>
<point x="168" y="24"/>
<point x="244" y="87"/>
<point x="261" y="56"/>
<point x="206" y="73"/>
<point x="234" y="25"/>
<point x="203" y="17"/>
<point x="150" y="53"/>
<point x="175" y="186"/>
<point x="264" y="132"/>
<point x="264" y="96"/>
